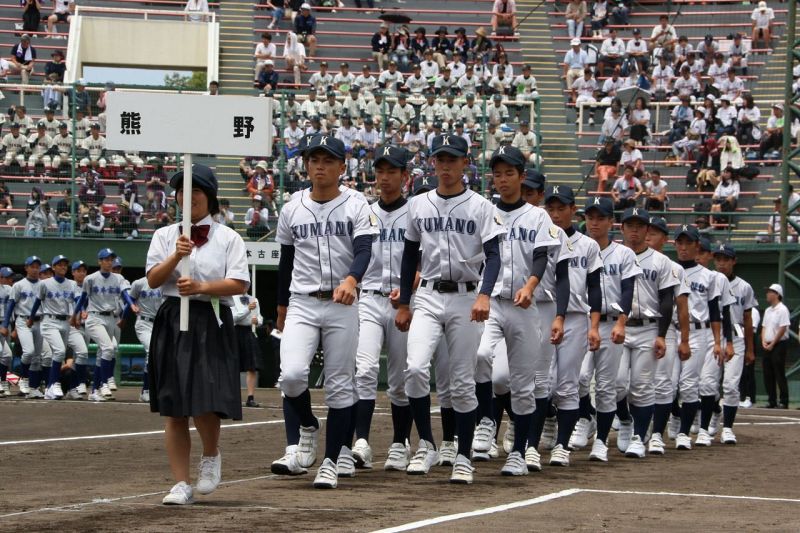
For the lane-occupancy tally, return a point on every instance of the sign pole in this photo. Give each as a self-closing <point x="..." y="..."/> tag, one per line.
<point x="253" y="294"/>
<point x="186" y="228"/>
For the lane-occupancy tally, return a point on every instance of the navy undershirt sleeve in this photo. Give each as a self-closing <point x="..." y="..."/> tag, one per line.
<point x="362" y="252"/>
<point x="539" y="262"/>
<point x="408" y="270"/>
<point x="626" y="300"/>
<point x="491" y="249"/>
<point x="562" y="287"/>
<point x="595" y="293"/>
<point x="713" y="310"/>
<point x="285" y="267"/>
<point x="727" y="326"/>
<point x="666" y="298"/>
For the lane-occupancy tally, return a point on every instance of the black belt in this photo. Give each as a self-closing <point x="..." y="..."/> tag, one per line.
<point x="701" y="325"/>
<point x="375" y="292"/>
<point x="639" y="322"/>
<point x="103" y="313"/>
<point x="443" y="285"/>
<point x="146" y="319"/>
<point x="57" y="317"/>
<point x="608" y="318"/>
<point x="36" y="318"/>
<point x="321" y="295"/>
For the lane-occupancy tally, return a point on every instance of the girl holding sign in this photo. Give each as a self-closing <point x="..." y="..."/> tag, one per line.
<point x="195" y="373"/>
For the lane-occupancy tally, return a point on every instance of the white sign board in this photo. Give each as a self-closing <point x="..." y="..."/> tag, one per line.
<point x="263" y="253"/>
<point x="189" y="123"/>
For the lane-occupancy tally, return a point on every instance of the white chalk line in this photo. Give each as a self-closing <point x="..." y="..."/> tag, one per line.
<point x="693" y="495"/>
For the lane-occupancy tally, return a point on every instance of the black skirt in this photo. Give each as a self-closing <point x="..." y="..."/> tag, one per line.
<point x="248" y="348"/>
<point x="195" y="372"/>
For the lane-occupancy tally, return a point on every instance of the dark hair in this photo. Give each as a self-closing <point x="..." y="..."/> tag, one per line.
<point x="211" y="194"/>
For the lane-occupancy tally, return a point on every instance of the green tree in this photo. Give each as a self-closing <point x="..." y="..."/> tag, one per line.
<point x="195" y="82"/>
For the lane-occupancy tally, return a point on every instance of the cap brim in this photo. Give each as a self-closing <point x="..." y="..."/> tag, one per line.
<point x="311" y="149"/>
<point x="452" y="150"/>
<point x="505" y="158"/>
<point x="686" y="234"/>
<point x="563" y="199"/>
<point x="389" y="160"/>
<point x="646" y="220"/>
<point x="533" y="184"/>
<point x="595" y="207"/>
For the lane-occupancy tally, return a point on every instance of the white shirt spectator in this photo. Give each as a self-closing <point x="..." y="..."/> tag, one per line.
<point x="509" y="70"/>
<point x="403" y="114"/>
<point x="666" y="34"/>
<point x="500" y="85"/>
<point x="293" y="136"/>
<point x="775" y="317"/>
<point x="429" y="69"/>
<point x="342" y="82"/>
<point x="630" y="157"/>
<point x="443" y="84"/>
<point x="525" y="85"/>
<point x="653" y="189"/>
<point x="471" y="113"/>
<point x="584" y="87"/>
<point x="416" y="85"/>
<point x="524" y="142"/>
<point x="389" y="81"/>
<point x="636" y="47"/>
<point x="347" y="135"/>
<point x="762" y="18"/>
<point x="468" y="84"/>
<point x="368" y="139"/>
<point x="753" y="115"/>
<point x="263" y="50"/>
<point x="726" y="115"/>
<point x="612" y="47"/>
<point x="732" y="87"/>
<point x="687" y="86"/>
<point x="695" y="68"/>
<point x="196" y="10"/>
<point x="321" y="82"/>
<point x="457" y="68"/>
<point x="310" y="108"/>
<point x="724" y="190"/>
<point x="497" y="114"/>
<point x="430" y="113"/>
<point x="718" y="73"/>
<point x="577" y="60"/>
<point x="367" y="85"/>
<point x="662" y="77"/>
<point x="614" y="126"/>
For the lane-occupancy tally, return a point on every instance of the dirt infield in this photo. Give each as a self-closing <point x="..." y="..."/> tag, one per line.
<point x="101" y="467"/>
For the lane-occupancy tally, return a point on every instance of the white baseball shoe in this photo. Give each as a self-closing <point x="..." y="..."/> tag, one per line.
<point x="398" y="457"/>
<point x="462" y="471"/>
<point x="326" y="475"/>
<point x="95" y="396"/>
<point x="34" y="394"/>
<point x="112" y="385"/>
<point x="515" y="465"/>
<point x="508" y="438"/>
<point x="533" y="460"/>
<point x="559" y="456"/>
<point x="105" y="390"/>
<point x="288" y="465"/>
<point x="635" y="448"/>
<point x="673" y="427"/>
<point x="423" y="460"/>
<point x="624" y="435"/>
<point x="5" y="389"/>
<point x="696" y="424"/>
<point x="144" y="396"/>
<point x="615" y="423"/>
<point x="599" y="451"/>
<point x="24" y="388"/>
<point x="580" y="435"/>
<point x="728" y="436"/>
<point x="494" y="451"/>
<point x="656" y="446"/>
<point x="484" y="435"/>
<point x="447" y="453"/>
<point x="307" y="447"/>
<point x="180" y="494"/>
<point x="703" y="438"/>
<point x="346" y="463"/>
<point x="362" y="453"/>
<point x="209" y="474"/>
<point x="746" y="403"/>
<point x="549" y="433"/>
<point x="73" y="394"/>
<point x="713" y="425"/>
<point x="82" y="389"/>
<point x="683" y="442"/>
<point x="54" y="392"/>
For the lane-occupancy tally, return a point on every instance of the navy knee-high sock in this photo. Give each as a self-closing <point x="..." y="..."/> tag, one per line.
<point x="688" y="412"/>
<point x="728" y="415"/>
<point x="661" y="417"/>
<point x="3" y="372"/>
<point x="106" y="370"/>
<point x="483" y="391"/>
<point x="302" y="408"/>
<point x="623" y="412"/>
<point x="522" y="427"/>
<point x="337" y="431"/>
<point x="676" y="407"/>
<point x="465" y="428"/>
<point x="364" y="411"/>
<point x="642" y="415"/>
<point x="97" y="381"/>
<point x="537" y="425"/>
<point x="351" y="428"/>
<point x="448" y="424"/>
<point x="706" y="410"/>
<point x="502" y="402"/>
<point x="421" y="411"/>
<point x="717" y="408"/>
<point x="46" y="375"/>
<point x="604" y="421"/>
<point x="80" y="376"/>
<point x="35" y="379"/>
<point x="585" y="407"/>
<point x="55" y="372"/>
<point x="291" y="422"/>
<point x="26" y="370"/>
<point x="567" y="418"/>
<point x="145" y="382"/>
<point x="401" y="423"/>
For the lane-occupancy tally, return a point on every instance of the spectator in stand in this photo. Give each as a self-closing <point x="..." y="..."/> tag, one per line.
<point x="225" y="216"/>
<point x="696" y="66"/>
<point x="637" y="50"/>
<point x="322" y="81"/>
<point x="92" y="223"/>
<point x="525" y="140"/>
<point x="278" y="8"/>
<point x="504" y="13"/>
<point x="655" y="192"/>
<point x="730" y="153"/>
<point x="429" y="67"/>
<point x="343" y="80"/>
<point x="368" y="137"/>
<point x="416" y="84"/>
<point x="524" y="85"/>
<point x="155" y="179"/>
<point x="40" y="219"/>
<point x="501" y="83"/>
<point x="685" y="85"/>
<point x="749" y="116"/>
<point x="15" y="145"/>
<point x="682" y="51"/>
<point x="608" y="92"/>
<point x="95" y="146"/>
<point x="575" y="15"/>
<point x="349" y="177"/>
<point x="305" y="26"/>
<point x="31" y="15"/>
<point x="23" y="56"/>
<point x="101" y="104"/>
<point x="733" y="87"/>
<point x="471" y="113"/>
<point x="347" y="133"/>
<point x="79" y="95"/>
<point x="21" y="117"/>
<point x="497" y="112"/>
<point x="726" y="117"/>
<point x="264" y="50"/>
<point x="128" y="189"/>
<point x="762" y="18"/>
<point x="403" y="112"/>
<point x="262" y="183"/>
<point x="257" y="219"/>
<point x="381" y="44"/>
<point x="34" y="199"/>
<point x="196" y="10"/>
<point x="626" y="190"/>
<point x="614" y="125"/>
<point x="606" y="162"/>
<point x="6" y="199"/>
<point x="599" y="15"/>
<point x="64" y="210"/>
<point x="62" y="12"/>
<point x="125" y="224"/>
<point x="695" y="133"/>
<point x="213" y="88"/>
<point x="632" y="156"/>
<point x="330" y="111"/>
<point x="772" y="139"/>
<point x="639" y="121"/>
<point x="366" y="169"/>
<point x="481" y="47"/>
<point x="576" y="61"/>
<point x="92" y="192"/>
<point x="708" y="49"/>
<point x="662" y="79"/>
<point x="354" y="103"/>
<point x="366" y="82"/>
<point x="663" y="35"/>
<point x="460" y="47"/>
<point x="442" y="47"/>
<point x="390" y="79"/>
<point x="737" y="54"/>
<point x="268" y="78"/>
<point x="725" y="197"/>
<point x="584" y="90"/>
<point x="294" y="53"/>
<point x="419" y="44"/>
<point x="402" y="52"/>
<point x="718" y="71"/>
<point x="612" y="52"/>
<point x="773" y="233"/>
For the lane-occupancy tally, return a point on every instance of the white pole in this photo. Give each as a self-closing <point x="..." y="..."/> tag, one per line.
<point x="253" y="294"/>
<point x="186" y="227"/>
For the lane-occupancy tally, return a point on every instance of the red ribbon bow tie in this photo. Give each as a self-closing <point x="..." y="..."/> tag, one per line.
<point x="199" y="234"/>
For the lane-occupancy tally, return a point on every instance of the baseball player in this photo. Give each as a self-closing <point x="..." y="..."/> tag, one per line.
<point x="101" y="292"/>
<point x="579" y="335"/>
<point x="15" y="145"/>
<point x="741" y="312"/>
<point x="461" y="222"/>
<point x="529" y="236"/>
<point x="79" y="272"/>
<point x="21" y="300"/>
<point x="63" y="143"/>
<point x="40" y="143"/>
<point x="46" y="272"/>
<point x="6" y="356"/>
<point x="96" y="146"/>
<point x="617" y="281"/>
<point x="116" y="268"/>
<point x="667" y="369"/>
<point x="147" y="301"/>
<point x="246" y="318"/>
<point x="326" y="240"/>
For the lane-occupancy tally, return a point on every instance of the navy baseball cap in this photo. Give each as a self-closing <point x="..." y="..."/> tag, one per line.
<point x="46" y="267"/>
<point x="705" y="244"/>
<point x="636" y="213"/>
<point x="726" y="250"/>
<point x="57" y="259"/>
<point x="117" y="262"/>
<point x="6" y="272"/>
<point x="33" y="259"/>
<point x="562" y="193"/>
<point x="424" y="184"/>
<point x="449" y="144"/>
<point x="534" y="179"/>
<point x="508" y="154"/>
<point x="78" y="264"/>
<point x="105" y="253"/>
<point x="326" y="143"/>
<point x="394" y="155"/>
<point x="202" y="176"/>
<point x="659" y="223"/>
<point x="602" y="204"/>
<point x="689" y="231"/>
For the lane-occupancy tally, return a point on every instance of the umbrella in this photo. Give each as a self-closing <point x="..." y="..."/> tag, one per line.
<point x="629" y="94"/>
<point x="394" y="17"/>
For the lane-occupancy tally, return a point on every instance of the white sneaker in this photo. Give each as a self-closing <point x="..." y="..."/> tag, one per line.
<point x="591" y="121"/>
<point x="362" y="453"/>
<point x="673" y="427"/>
<point x="180" y="494"/>
<point x="111" y="383"/>
<point x="82" y="389"/>
<point x="307" y="447"/>
<point x="462" y="471"/>
<point x="533" y="460"/>
<point x="508" y="438"/>
<point x="397" y="458"/>
<point x="423" y="460"/>
<point x="599" y="451"/>
<point x="635" y="448"/>
<point x="624" y="435"/>
<point x="615" y="423"/>
<point x="683" y="442"/>
<point x="559" y="456"/>
<point x="746" y="404"/>
<point x="580" y="435"/>
<point x="346" y="463"/>
<point x="728" y="436"/>
<point x="484" y="435"/>
<point x="696" y="424"/>
<point x="713" y="425"/>
<point x="656" y="446"/>
<point x="73" y="394"/>
<point x="447" y="453"/>
<point x="24" y="389"/>
<point x="703" y="438"/>
<point x="5" y="389"/>
<point x="95" y="396"/>
<point x="55" y="389"/>
<point x="209" y="474"/>
<point x="105" y="391"/>
<point x="288" y="465"/>
<point x="144" y="396"/>
<point x="48" y="394"/>
<point x="35" y="394"/>
<point x="549" y="433"/>
<point x="479" y="457"/>
<point x="494" y="451"/>
<point x="326" y="475"/>
<point x="515" y="465"/>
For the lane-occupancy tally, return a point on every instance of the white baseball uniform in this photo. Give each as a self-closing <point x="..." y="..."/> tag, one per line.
<point x="24" y="293"/>
<point x="703" y="288"/>
<point x="732" y="372"/>
<point x="711" y="371"/>
<point x="148" y="300"/>
<point x="668" y="368"/>
<point x="5" y="349"/>
<point x="57" y="306"/>
<point x="103" y="291"/>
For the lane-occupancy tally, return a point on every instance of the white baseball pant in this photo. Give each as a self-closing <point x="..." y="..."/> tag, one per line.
<point x="664" y="383"/>
<point x="77" y="341"/>
<point x="566" y="366"/>
<point x="701" y="342"/>
<point x="56" y="334"/>
<point x="376" y="323"/>
<point x="11" y="156"/>
<point x="31" y="341"/>
<point x="710" y="373"/>
<point x="87" y="160"/>
<point x="144" y="330"/>
<point x="436" y="316"/>
<point x="101" y="329"/>
<point x="441" y="367"/>
<point x="307" y="320"/>
<point x="638" y="364"/>
<point x="603" y="364"/>
<point x="6" y="355"/>
<point x="732" y="373"/>
<point x="34" y="159"/>
<point x="59" y="159"/>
